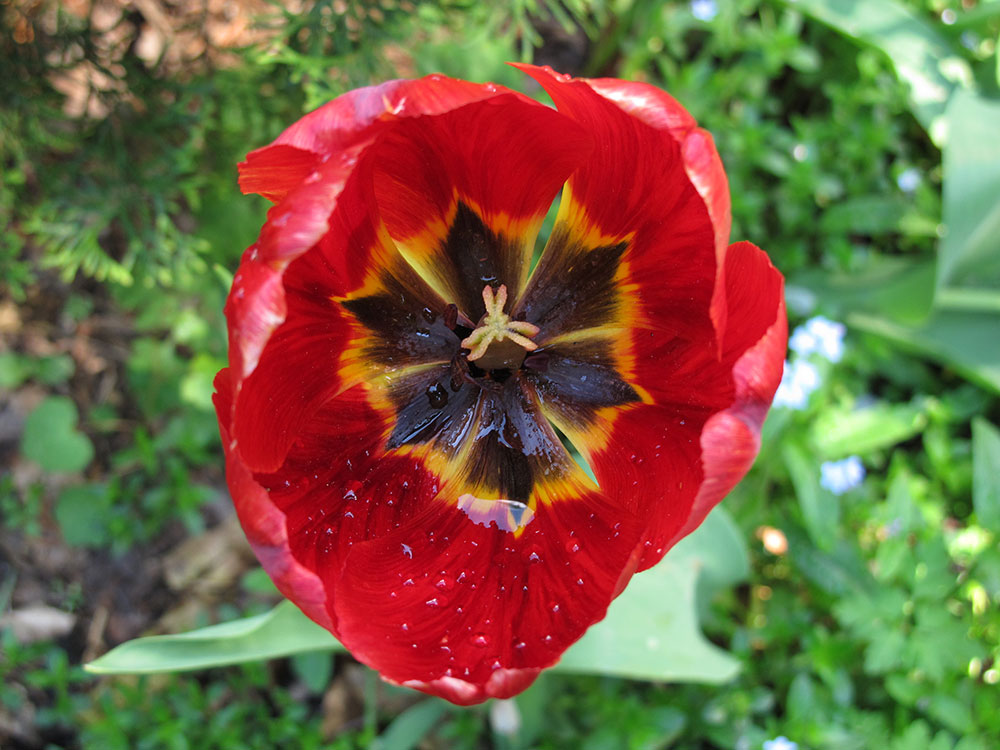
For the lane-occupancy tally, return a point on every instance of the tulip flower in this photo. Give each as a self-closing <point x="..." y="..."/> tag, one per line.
<point x="411" y="400"/>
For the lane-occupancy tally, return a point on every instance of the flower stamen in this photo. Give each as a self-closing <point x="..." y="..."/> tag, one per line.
<point x="499" y="342"/>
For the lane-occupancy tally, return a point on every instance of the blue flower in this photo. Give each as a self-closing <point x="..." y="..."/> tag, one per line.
<point x="704" y="10"/>
<point x="841" y="476"/>
<point x="780" y="743"/>
<point x="819" y="335"/>
<point x="798" y="381"/>
<point x="908" y="180"/>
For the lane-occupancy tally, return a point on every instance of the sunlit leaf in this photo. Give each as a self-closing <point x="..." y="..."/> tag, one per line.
<point x="969" y="252"/>
<point x="281" y="632"/>
<point x="922" y="57"/>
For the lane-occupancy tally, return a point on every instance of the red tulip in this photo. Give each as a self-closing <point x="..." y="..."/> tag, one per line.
<point x="400" y="380"/>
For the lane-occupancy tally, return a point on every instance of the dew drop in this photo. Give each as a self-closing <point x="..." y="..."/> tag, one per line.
<point x="433" y="603"/>
<point x="408" y="582"/>
<point x="480" y="640"/>
<point x="579" y="581"/>
<point x="520" y="644"/>
<point x="554" y="607"/>
<point x="496" y="664"/>
<point x="348" y="514"/>
<point x="547" y="640"/>
<point x="437" y="396"/>
<point x="443" y="584"/>
<point x="405" y="627"/>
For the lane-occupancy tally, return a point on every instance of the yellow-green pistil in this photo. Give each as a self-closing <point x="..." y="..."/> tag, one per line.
<point x="499" y="342"/>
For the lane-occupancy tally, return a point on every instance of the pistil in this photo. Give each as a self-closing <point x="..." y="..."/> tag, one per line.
<point x="499" y="342"/>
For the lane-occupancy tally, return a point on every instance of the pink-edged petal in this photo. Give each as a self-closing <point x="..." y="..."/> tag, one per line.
<point x="675" y="458"/>
<point x="264" y="525"/>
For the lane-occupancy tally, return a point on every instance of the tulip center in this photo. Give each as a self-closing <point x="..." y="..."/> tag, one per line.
<point x="498" y="342"/>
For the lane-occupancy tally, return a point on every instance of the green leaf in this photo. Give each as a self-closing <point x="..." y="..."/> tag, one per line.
<point x="837" y="434"/>
<point x="820" y="508"/>
<point x="969" y="252"/>
<point x="410" y="727"/>
<point x="281" y="632"/>
<point x="986" y="473"/>
<point x="964" y="340"/>
<point x="651" y="630"/>
<point x="922" y="57"/>
<point x="895" y="288"/>
<point x="51" y="438"/>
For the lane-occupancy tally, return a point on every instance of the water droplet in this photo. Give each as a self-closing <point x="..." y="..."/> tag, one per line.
<point x="348" y="514"/>
<point x="579" y="581"/>
<point x="405" y="627"/>
<point x="547" y="640"/>
<point x="408" y="582"/>
<point x="496" y="664"/>
<point x="572" y="546"/>
<point x="433" y="603"/>
<point x="428" y="314"/>
<point x="443" y="584"/>
<point x="554" y="607"/>
<point x="407" y="550"/>
<point x="437" y="396"/>
<point x="520" y="644"/>
<point x="480" y="640"/>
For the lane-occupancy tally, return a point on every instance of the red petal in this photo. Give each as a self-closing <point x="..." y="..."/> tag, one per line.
<point x="263" y="524"/>
<point x="275" y="170"/>
<point x="655" y="181"/>
<point x="675" y="459"/>
<point x="503" y="160"/>
<point x="454" y="608"/>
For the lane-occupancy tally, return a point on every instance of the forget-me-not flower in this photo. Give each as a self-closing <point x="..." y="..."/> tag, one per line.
<point x="841" y="476"/>
<point x="704" y="10"/>
<point x="820" y="335"/>
<point x="798" y="381"/>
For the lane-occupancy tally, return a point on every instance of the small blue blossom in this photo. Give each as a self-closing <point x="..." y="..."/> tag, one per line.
<point x="819" y="335"/>
<point x="704" y="10"/>
<point x="908" y="180"/>
<point x="798" y="381"/>
<point x="841" y="476"/>
<point x="780" y="743"/>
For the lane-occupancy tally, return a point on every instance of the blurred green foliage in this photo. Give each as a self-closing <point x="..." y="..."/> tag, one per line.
<point x="871" y="180"/>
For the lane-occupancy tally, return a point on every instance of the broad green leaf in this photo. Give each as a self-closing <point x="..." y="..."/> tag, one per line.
<point x="895" y="288"/>
<point x="986" y="473"/>
<point x="51" y="438"/>
<point x="922" y="57"/>
<point x="820" y="508"/>
<point x="651" y="630"/>
<point x="969" y="252"/>
<point x="281" y="632"/>
<point x="410" y="727"/>
<point x="964" y="340"/>
<point x="838" y="434"/>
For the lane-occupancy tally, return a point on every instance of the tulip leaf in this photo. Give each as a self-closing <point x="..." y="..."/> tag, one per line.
<point x="923" y="58"/>
<point x="967" y="255"/>
<point x="281" y="632"/>
<point x="963" y="339"/>
<point x="651" y="630"/>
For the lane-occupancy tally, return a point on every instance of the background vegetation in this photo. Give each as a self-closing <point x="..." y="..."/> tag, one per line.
<point x="861" y="143"/>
